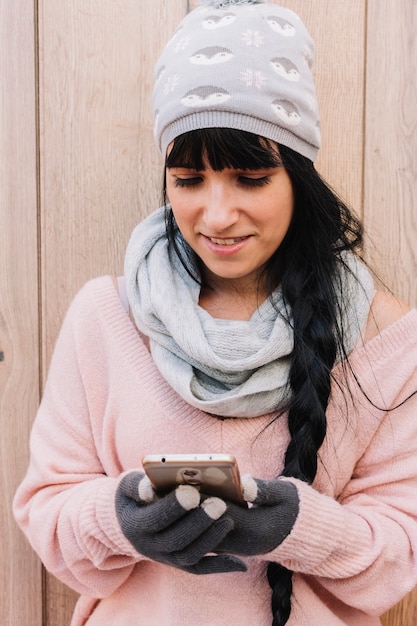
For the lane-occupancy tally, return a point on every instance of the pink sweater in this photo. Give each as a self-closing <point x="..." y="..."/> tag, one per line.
<point x="354" y="545"/>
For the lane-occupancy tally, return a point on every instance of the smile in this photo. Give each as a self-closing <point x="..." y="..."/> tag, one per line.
<point x="226" y="242"/>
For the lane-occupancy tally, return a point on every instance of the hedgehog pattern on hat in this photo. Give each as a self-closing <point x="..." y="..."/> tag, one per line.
<point x="206" y="95"/>
<point x="281" y="26"/>
<point x="211" y="55"/>
<point x="209" y="95"/>
<point x="285" y="68"/>
<point x="251" y="71"/>
<point x="218" y="21"/>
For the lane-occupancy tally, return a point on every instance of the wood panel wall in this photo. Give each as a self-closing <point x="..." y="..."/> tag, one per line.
<point x="20" y="571"/>
<point x="78" y="169"/>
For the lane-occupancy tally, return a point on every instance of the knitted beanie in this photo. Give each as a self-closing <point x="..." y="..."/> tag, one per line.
<point x="241" y="64"/>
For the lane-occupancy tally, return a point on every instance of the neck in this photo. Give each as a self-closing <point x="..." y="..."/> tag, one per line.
<point x="232" y="299"/>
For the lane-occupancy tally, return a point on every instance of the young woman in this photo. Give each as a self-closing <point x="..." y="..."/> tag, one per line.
<point x="254" y="329"/>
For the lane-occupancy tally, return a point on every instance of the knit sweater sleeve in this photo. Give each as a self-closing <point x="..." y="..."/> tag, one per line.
<point x="361" y="545"/>
<point x="65" y="504"/>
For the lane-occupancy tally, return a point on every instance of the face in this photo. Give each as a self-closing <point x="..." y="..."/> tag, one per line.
<point x="234" y="220"/>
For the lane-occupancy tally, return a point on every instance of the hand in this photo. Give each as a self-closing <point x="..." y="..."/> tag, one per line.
<point x="262" y="527"/>
<point x="176" y="529"/>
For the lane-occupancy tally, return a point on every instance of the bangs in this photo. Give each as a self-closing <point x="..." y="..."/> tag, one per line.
<point x="223" y="148"/>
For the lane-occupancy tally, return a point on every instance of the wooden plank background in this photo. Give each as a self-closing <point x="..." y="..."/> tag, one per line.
<point x="19" y="346"/>
<point x="78" y="169"/>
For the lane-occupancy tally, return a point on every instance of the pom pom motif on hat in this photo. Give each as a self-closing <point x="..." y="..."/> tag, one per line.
<point x="238" y="64"/>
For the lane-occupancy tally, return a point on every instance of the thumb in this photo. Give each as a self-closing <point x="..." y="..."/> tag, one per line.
<point x="267" y="492"/>
<point x="136" y="486"/>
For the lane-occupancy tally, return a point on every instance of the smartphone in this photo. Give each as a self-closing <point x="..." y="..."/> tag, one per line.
<point x="213" y="474"/>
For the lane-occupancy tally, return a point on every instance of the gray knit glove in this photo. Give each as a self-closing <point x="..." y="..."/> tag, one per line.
<point x="176" y="529"/>
<point x="263" y="526"/>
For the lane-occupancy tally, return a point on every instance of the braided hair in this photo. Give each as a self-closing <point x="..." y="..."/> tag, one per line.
<point x="309" y="259"/>
<point x="306" y="264"/>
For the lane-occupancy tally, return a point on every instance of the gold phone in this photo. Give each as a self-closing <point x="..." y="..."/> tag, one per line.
<point x="213" y="474"/>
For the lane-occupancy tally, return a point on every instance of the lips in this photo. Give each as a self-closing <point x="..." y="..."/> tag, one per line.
<point x="226" y="246"/>
<point x="226" y="242"/>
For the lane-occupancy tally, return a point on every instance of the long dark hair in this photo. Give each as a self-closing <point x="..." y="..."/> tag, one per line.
<point x="306" y="264"/>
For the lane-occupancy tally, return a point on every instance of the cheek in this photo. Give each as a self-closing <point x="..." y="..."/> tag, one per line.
<point x="288" y="203"/>
<point x="178" y="198"/>
<point x="281" y="209"/>
<point x="185" y="207"/>
<point x="169" y="192"/>
<point x="289" y="207"/>
<point x="174" y="199"/>
<point x="183" y="216"/>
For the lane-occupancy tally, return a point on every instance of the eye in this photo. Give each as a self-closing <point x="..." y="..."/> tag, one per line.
<point x="187" y="182"/>
<point x="250" y="181"/>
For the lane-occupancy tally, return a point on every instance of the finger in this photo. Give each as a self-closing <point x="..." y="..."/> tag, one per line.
<point x="266" y="492"/>
<point x="217" y="565"/>
<point x="146" y="491"/>
<point x="137" y="487"/>
<point x="192" y="527"/>
<point x="164" y="512"/>
<point x="205" y="543"/>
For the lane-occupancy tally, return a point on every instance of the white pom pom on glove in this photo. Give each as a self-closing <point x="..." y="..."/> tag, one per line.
<point x="177" y="529"/>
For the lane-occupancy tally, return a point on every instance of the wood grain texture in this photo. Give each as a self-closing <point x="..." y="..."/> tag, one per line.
<point x="20" y="569"/>
<point x="404" y="613"/>
<point x="100" y="173"/>
<point x="391" y="170"/>
<point x="100" y="170"/>
<point x="391" y="143"/>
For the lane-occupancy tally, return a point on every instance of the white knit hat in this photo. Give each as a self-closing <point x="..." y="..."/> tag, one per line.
<point x="240" y="64"/>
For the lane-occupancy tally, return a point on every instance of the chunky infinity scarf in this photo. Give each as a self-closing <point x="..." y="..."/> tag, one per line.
<point x="225" y="367"/>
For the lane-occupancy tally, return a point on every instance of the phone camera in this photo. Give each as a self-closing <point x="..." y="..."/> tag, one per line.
<point x="191" y="476"/>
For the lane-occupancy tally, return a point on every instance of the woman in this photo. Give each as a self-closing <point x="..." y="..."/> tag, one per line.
<point x="255" y="330"/>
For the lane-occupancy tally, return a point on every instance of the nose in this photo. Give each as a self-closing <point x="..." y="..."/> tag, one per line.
<point x="220" y="210"/>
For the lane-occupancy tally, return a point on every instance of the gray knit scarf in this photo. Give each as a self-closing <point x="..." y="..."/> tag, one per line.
<point x="225" y="367"/>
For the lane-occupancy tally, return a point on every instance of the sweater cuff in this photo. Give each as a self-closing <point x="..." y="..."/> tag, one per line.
<point x="327" y="538"/>
<point x="100" y="527"/>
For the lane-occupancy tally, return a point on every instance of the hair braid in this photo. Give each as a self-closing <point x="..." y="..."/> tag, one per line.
<point x="313" y="357"/>
<point x="308" y="258"/>
<point x="281" y="593"/>
<point x="306" y="265"/>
